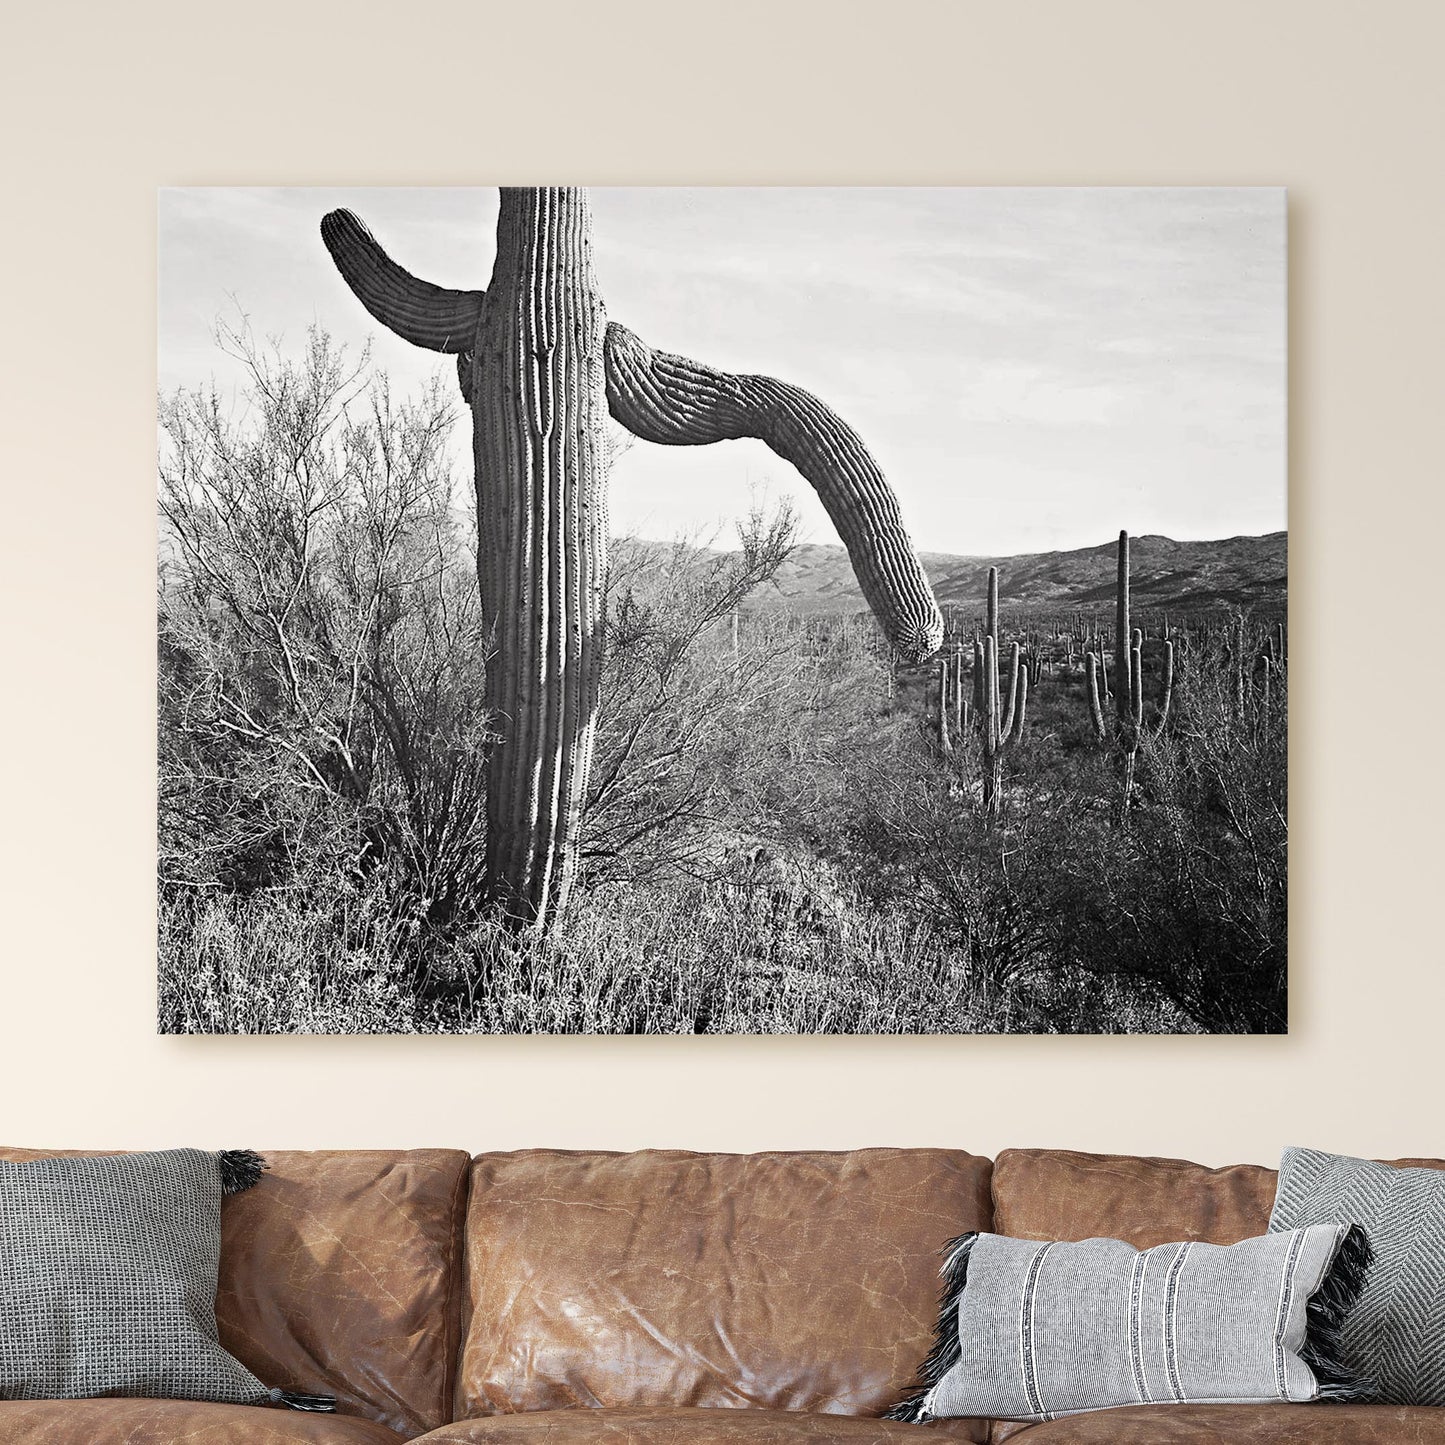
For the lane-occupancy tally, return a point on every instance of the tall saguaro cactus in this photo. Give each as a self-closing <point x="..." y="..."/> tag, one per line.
<point x="540" y="366"/>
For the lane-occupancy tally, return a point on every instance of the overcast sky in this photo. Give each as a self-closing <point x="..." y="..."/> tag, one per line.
<point x="1033" y="368"/>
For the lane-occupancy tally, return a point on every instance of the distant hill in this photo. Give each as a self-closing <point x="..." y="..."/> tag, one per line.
<point x="1166" y="576"/>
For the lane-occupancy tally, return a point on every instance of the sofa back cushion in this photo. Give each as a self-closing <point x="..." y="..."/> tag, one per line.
<point x="1059" y="1194"/>
<point x="791" y="1281"/>
<point x="341" y="1274"/>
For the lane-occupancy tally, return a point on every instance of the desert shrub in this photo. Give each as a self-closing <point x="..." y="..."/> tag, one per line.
<point x="321" y="648"/>
<point x="676" y="680"/>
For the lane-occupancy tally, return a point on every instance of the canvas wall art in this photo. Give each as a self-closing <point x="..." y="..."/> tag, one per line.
<point x="722" y="610"/>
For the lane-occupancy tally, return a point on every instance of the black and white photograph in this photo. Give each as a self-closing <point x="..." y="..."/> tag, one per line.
<point x="667" y="610"/>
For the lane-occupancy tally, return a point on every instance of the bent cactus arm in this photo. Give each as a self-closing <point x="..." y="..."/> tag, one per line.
<point x="669" y="399"/>
<point x="425" y="315"/>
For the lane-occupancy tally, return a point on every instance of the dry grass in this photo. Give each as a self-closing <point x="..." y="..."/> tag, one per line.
<point x="662" y="960"/>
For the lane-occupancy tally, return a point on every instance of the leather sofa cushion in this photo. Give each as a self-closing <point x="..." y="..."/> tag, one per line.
<point x="584" y="1426"/>
<point x="341" y="1275"/>
<point x="801" y="1281"/>
<point x="176" y="1422"/>
<point x="1319" y="1424"/>
<point x="1060" y="1194"/>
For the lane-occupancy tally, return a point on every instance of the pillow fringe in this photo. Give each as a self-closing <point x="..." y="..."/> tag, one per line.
<point x="914" y="1408"/>
<point x="314" y="1404"/>
<point x="240" y="1169"/>
<point x="1325" y="1317"/>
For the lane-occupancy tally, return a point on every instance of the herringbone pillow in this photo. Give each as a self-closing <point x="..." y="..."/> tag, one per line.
<point x="1034" y="1331"/>
<point x="1396" y="1334"/>
<point x="108" y="1279"/>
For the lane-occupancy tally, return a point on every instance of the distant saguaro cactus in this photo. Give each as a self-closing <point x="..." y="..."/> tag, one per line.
<point x="1129" y="728"/>
<point x="1000" y="712"/>
<point x="1251" y="672"/>
<point x="960" y="710"/>
<point x="1034" y="661"/>
<point x="540" y="366"/>
<point x="954" y="711"/>
<point x="946" y="682"/>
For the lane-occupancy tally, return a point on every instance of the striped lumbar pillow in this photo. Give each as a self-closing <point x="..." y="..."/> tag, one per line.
<point x="1396" y="1334"/>
<point x="1031" y="1331"/>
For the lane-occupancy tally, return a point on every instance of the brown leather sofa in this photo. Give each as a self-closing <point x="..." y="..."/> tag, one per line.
<point x="554" y="1298"/>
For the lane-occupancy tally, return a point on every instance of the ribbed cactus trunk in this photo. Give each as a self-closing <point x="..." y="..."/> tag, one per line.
<point x="539" y="404"/>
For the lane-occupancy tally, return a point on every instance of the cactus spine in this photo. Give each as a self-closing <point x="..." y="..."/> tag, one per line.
<point x="539" y="365"/>
<point x="1129" y="728"/>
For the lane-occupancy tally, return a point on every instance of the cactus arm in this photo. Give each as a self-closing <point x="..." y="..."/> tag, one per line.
<point x="990" y="694"/>
<point x="1136" y="684"/>
<point x="1096" y="710"/>
<point x="991" y="618"/>
<point x="977" y="678"/>
<point x="425" y="315"/>
<point x="987" y="695"/>
<point x="1020" y="707"/>
<point x="1006" y="726"/>
<point x="677" y="402"/>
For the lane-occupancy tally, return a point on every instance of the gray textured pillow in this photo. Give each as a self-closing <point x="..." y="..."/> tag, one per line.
<point x="1396" y="1334"/>
<point x="108" y="1279"/>
<point x="1032" y="1331"/>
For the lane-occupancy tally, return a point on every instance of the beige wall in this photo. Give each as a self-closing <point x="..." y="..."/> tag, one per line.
<point x="1341" y="102"/>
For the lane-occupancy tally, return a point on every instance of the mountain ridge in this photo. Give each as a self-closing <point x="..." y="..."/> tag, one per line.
<point x="1166" y="575"/>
